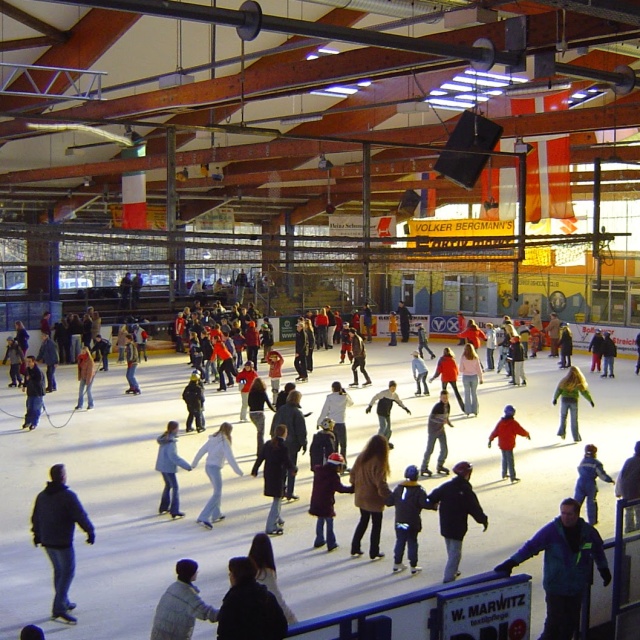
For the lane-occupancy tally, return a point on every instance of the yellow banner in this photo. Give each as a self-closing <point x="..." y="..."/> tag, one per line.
<point x="156" y="216"/>
<point x="450" y="238"/>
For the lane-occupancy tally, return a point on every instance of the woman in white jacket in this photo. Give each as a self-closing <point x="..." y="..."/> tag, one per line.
<point x="218" y="449"/>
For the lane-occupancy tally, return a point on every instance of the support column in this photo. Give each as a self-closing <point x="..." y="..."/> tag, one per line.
<point x="289" y="230"/>
<point x="366" y="218"/>
<point x="43" y="266"/>
<point x="175" y="253"/>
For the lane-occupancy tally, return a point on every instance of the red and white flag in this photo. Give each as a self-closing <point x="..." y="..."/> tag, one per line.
<point x="134" y="192"/>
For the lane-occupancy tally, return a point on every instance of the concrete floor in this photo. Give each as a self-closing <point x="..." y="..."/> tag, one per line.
<point x="110" y="456"/>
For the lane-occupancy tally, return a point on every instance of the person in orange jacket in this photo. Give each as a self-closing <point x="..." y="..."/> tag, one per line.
<point x="447" y="369"/>
<point x="506" y="431"/>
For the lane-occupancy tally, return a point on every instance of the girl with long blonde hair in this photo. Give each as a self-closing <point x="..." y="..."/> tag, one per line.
<point x="569" y="389"/>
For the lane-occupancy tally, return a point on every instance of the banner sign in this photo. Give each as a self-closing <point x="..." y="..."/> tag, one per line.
<point x="288" y="328"/>
<point x="623" y="337"/>
<point x="351" y="226"/>
<point x="464" y="237"/>
<point x="155" y="216"/>
<point x="500" y="613"/>
<point x="382" y="323"/>
<point x="220" y="219"/>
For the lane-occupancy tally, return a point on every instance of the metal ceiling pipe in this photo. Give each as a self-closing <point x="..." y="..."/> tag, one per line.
<point x="247" y="20"/>
<point x="394" y="8"/>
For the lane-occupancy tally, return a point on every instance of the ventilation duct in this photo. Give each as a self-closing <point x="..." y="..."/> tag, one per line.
<point x="394" y="8"/>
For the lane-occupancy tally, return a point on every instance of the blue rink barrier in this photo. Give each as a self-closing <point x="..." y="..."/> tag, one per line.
<point x="419" y="615"/>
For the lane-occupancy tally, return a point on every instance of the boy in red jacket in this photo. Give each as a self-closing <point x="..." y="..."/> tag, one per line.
<point x="506" y="431"/>
<point x="275" y="362"/>
<point x="326" y="481"/>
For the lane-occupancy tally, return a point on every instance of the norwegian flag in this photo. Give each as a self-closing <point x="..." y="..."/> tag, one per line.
<point x="548" y="176"/>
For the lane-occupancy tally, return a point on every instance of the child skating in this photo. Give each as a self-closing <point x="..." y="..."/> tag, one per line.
<point x="506" y="431"/>
<point x="586" y="487"/>
<point x="409" y="499"/>
<point x="419" y="369"/>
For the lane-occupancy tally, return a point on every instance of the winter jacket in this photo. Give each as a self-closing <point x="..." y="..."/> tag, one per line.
<point x="609" y="348"/>
<point x="220" y="351"/>
<point x="22" y="338"/>
<point x="418" y="366"/>
<point x="596" y="344"/>
<point x="385" y="400"/>
<point x="566" y="573"/>
<point x="326" y="482"/>
<point x="34" y="382"/>
<point x="131" y="352"/>
<point x="266" y="334"/>
<point x="470" y="367"/>
<point x="302" y="346"/>
<point x="491" y="338"/>
<point x="275" y="361"/>
<point x="553" y="328"/>
<point x="86" y="368"/>
<point x="573" y="395"/>
<point x="55" y="514"/>
<point x="48" y="352"/>
<point x="246" y="378"/>
<point x="218" y="449"/>
<point x="276" y="460"/>
<point x="506" y="431"/>
<point x="357" y="345"/>
<point x="409" y="498"/>
<point x="252" y="337"/>
<point x="370" y="485"/>
<point x="266" y="620"/>
<point x="589" y="469"/>
<point x="566" y="344"/>
<point x="103" y="348"/>
<point x="322" y="446"/>
<point x="438" y="418"/>
<point x="447" y="369"/>
<point x="335" y="407"/>
<point x="168" y="459"/>
<point x="457" y="501"/>
<point x="473" y="335"/>
<point x="516" y="352"/>
<point x="257" y="399"/>
<point x="13" y="354"/>
<point x="177" y="611"/>
<point x="393" y="324"/>
<point x="628" y="483"/>
<point x="291" y="415"/>
<point x="193" y="394"/>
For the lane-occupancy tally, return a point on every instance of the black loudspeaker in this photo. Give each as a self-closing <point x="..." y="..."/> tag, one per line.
<point x="410" y="200"/>
<point x="472" y="133"/>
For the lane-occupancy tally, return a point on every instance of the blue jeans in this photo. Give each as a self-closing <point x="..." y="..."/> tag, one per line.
<point x="273" y="519"/>
<point x="131" y="376"/>
<point x="490" y="360"/>
<point x="470" y="384"/>
<point x="421" y="379"/>
<point x="454" y="555"/>
<point x="34" y="408"/>
<point x="211" y="510"/>
<point x="385" y="426"/>
<point x="291" y="478"/>
<point x="76" y="346"/>
<point x="608" y="365"/>
<point x="83" y="386"/>
<point x="170" y="500"/>
<point x="508" y="464"/>
<point x="331" y="537"/>
<point x="431" y="443"/>
<point x="569" y="406"/>
<point x="64" y="568"/>
<point x="406" y="537"/>
<point x="393" y="341"/>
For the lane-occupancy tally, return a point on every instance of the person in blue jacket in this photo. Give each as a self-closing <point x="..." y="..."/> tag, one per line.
<point x="588" y="470"/>
<point x="167" y="464"/>
<point x="571" y="546"/>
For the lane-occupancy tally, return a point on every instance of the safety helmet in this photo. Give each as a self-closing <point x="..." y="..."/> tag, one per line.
<point x="411" y="472"/>
<point x="335" y="458"/>
<point x="327" y="423"/>
<point x="462" y="468"/>
<point x="195" y="375"/>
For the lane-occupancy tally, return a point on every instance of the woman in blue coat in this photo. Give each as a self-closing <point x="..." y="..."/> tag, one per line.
<point x="167" y="464"/>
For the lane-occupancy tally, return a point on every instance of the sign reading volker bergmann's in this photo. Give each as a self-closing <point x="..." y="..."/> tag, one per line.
<point x="501" y="613"/>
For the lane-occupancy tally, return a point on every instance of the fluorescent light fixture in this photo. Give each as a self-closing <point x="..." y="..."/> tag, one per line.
<point x="301" y="118"/>
<point x="312" y="56"/>
<point x="454" y="104"/>
<point x="495" y="92"/>
<point x="579" y="95"/>
<point x="329" y="52"/>
<point x="480" y="82"/>
<point x="347" y="91"/>
<point x="364" y="83"/>
<point x="537" y="87"/>
<point x="454" y="87"/>
<point x="469" y="96"/>
<point x="101" y="133"/>
<point x="437" y="92"/>
<point x="324" y="93"/>
<point x="412" y="107"/>
<point x="495" y="76"/>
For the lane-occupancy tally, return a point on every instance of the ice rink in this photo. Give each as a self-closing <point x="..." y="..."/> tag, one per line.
<point x="110" y="455"/>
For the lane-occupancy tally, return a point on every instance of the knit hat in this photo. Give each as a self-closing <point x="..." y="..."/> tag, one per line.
<point x="31" y="632"/>
<point x="411" y="472"/>
<point x="251" y="323"/>
<point x="327" y="424"/>
<point x="509" y="411"/>
<point x="335" y="458"/>
<point x="186" y="569"/>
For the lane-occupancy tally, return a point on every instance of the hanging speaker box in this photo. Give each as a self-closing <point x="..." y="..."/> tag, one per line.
<point x="472" y="133"/>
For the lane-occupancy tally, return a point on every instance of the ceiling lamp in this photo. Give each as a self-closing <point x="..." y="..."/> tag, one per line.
<point x="301" y="118"/>
<point x="394" y="8"/>
<point x="101" y="133"/>
<point x="536" y="87"/>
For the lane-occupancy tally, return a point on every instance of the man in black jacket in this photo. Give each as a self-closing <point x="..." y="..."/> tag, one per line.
<point x="34" y="388"/>
<point x="55" y="513"/>
<point x="457" y="501"/>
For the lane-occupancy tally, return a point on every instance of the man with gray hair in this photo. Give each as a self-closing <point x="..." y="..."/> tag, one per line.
<point x="628" y="488"/>
<point x="55" y="514"/>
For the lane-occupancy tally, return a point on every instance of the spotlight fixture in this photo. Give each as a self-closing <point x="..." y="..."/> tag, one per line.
<point x="490" y="204"/>
<point x="182" y="176"/>
<point x="324" y="164"/>
<point x="522" y="147"/>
